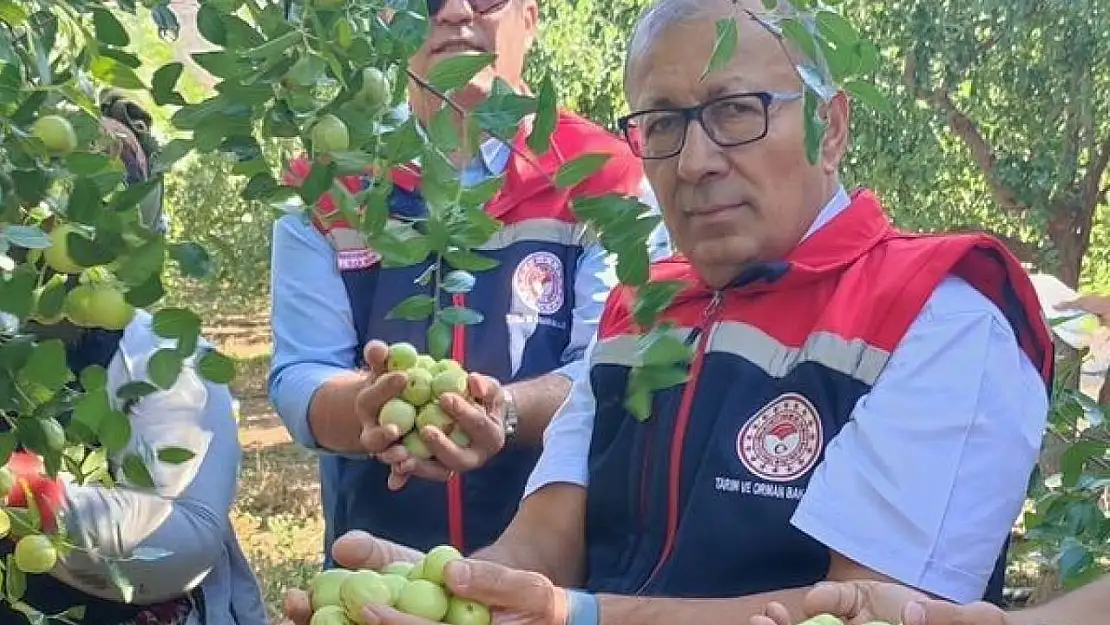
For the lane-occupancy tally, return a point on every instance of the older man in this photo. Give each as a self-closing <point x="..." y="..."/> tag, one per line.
<point x="858" y="601"/>
<point x="862" y="403"/>
<point x="540" y="306"/>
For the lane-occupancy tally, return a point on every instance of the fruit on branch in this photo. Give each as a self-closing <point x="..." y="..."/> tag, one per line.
<point x="98" y="306"/>
<point x="57" y="256"/>
<point x="375" y="91"/>
<point x="56" y="133"/>
<point x="35" y="554"/>
<point x="330" y="135"/>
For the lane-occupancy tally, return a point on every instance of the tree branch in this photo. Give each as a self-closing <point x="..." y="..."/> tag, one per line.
<point x="1097" y="169"/>
<point x="981" y="152"/>
<point x="1025" y="252"/>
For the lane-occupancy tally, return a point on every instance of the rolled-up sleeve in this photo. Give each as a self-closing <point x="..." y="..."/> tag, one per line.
<point x="314" y="339"/>
<point x="566" y="441"/>
<point x="925" y="482"/>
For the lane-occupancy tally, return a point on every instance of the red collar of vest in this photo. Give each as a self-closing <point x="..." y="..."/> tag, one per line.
<point x="526" y="174"/>
<point x="840" y="242"/>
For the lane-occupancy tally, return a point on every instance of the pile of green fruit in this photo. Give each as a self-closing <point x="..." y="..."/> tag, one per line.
<point x="417" y="407"/>
<point x="829" y="619"/>
<point x="340" y="595"/>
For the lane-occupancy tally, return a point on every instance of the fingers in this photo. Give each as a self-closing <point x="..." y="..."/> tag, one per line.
<point x="376" y="353"/>
<point x="297" y="607"/>
<point x="932" y="612"/>
<point x="480" y="421"/>
<point x="774" y="614"/>
<point x="839" y="599"/>
<point x="360" y="550"/>
<point x="501" y="587"/>
<point x="376" y="438"/>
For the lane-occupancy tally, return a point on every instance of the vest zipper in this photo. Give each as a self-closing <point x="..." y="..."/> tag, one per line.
<point x="700" y="333"/>
<point x="454" y="484"/>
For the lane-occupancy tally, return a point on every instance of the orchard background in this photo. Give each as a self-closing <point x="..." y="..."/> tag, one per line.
<point x="998" y="119"/>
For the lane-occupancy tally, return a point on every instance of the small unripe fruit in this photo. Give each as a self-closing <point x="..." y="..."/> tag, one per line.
<point x="402" y="356"/>
<point x="326" y="587"/>
<point x="418" y="448"/>
<point x="437" y="560"/>
<point x="330" y="135"/>
<point x="432" y="414"/>
<point x="330" y="615"/>
<point x="399" y="413"/>
<point x="449" y="381"/>
<point x="396" y="583"/>
<point x="57" y="255"/>
<point x="424" y="599"/>
<point x="397" y="568"/>
<point x="426" y="363"/>
<point x="361" y="589"/>
<point x="466" y="612"/>
<point x="418" y="391"/>
<point x="56" y="133"/>
<point x="35" y="554"/>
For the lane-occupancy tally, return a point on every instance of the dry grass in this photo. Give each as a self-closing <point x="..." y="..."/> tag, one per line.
<point x="277" y="517"/>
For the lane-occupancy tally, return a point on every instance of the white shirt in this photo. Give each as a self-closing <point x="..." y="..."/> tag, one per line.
<point x="925" y="481"/>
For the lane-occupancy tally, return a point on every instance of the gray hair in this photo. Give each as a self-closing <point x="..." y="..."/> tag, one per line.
<point x="665" y="13"/>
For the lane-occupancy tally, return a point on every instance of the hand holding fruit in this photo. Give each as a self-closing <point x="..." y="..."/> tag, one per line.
<point x="440" y="587"/>
<point x="447" y="420"/>
<point x="879" y="603"/>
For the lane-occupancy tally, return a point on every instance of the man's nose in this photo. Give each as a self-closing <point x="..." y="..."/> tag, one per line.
<point x="700" y="156"/>
<point x="455" y="12"/>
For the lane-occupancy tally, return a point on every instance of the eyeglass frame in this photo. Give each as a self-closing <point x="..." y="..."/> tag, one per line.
<point x="493" y="8"/>
<point x="690" y="113"/>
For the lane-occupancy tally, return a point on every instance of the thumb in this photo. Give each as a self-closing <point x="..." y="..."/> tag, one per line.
<point x="499" y="586"/>
<point x="839" y="599"/>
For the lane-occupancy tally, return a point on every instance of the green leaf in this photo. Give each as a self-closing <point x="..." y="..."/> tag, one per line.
<point x="164" y="83"/>
<point x="174" y="323"/>
<point x="216" y="367"/>
<point x="836" y="29"/>
<point x="210" y="24"/>
<point x="111" y="71"/>
<point x="47" y="365"/>
<point x="458" y="282"/>
<point x="93" y="377"/>
<point x="175" y="455"/>
<point x="460" y="315"/>
<point x="439" y="340"/>
<point x="664" y="349"/>
<point x="724" y="47"/>
<point x="469" y="261"/>
<point x="814" y="128"/>
<point x="457" y="71"/>
<point x="413" y="308"/>
<point x="135" y="390"/>
<point x="30" y="237"/>
<point x="164" y="367"/>
<point x="653" y="298"/>
<point x="134" y="469"/>
<point x="192" y="259"/>
<point x="118" y="579"/>
<point x="580" y="168"/>
<point x="114" y="431"/>
<point x="108" y="28"/>
<point x="547" y="114"/>
<point x="870" y="95"/>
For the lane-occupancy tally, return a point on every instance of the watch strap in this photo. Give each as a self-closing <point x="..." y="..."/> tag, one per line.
<point x="582" y="608"/>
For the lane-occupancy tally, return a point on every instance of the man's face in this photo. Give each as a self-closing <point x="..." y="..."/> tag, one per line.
<point x="729" y="206"/>
<point x="505" y="28"/>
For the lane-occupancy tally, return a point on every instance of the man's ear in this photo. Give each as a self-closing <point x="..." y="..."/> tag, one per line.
<point x="531" y="14"/>
<point x="836" y="115"/>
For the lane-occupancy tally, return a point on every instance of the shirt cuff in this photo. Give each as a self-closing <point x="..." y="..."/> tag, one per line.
<point x="294" y="397"/>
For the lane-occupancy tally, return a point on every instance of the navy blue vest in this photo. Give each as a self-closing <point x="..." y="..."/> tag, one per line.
<point x="697" y="500"/>
<point x="527" y="303"/>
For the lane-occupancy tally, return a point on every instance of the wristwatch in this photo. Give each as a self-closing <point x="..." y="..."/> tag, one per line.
<point x="511" y="419"/>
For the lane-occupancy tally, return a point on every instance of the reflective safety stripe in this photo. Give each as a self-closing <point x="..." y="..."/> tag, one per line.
<point x="544" y="230"/>
<point x="852" y="357"/>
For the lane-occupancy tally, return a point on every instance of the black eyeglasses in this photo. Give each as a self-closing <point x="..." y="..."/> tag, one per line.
<point x="730" y="121"/>
<point x="481" y="7"/>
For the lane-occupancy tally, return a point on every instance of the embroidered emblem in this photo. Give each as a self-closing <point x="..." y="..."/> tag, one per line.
<point x="352" y="253"/>
<point x="538" y="282"/>
<point x="782" y="441"/>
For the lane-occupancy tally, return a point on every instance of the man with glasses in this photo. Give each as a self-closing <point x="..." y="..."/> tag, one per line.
<point x="861" y="403"/>
<point x="540" y="306"/>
